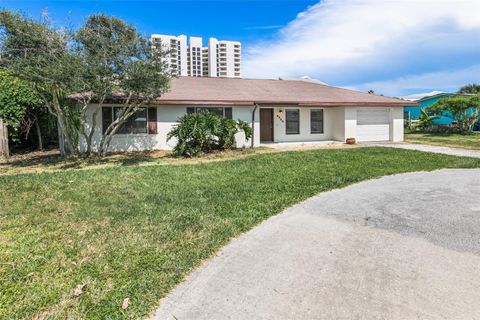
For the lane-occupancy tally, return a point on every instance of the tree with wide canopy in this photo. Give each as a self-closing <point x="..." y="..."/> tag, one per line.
<point x="105" y="57"/>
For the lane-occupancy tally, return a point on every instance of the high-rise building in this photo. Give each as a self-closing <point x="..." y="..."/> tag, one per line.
<point x="176" y="50"/>
<point x="217" y="59"/>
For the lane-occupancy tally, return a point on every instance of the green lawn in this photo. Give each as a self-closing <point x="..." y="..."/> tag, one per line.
<point x="471" y="141"/>
<point x="137" y="231"/>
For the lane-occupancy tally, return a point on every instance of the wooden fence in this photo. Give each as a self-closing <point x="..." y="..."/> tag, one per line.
<point x="3" y="140"/>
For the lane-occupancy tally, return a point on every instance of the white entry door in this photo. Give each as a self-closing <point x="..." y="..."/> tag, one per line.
<point x="373" y="124"/>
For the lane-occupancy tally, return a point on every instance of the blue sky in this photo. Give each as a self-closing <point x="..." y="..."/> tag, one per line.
<point x="397" y="48"/>
<point x="245" y="21"/>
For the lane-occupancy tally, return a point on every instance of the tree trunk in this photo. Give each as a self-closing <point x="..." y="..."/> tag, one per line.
<point x="39" y="134"/>
<point x="64" y="139"/>
<point x="61" y="140"/>
<point x="4" y="151"/>
<point x="105" y="144"/>
<point x="89" y="137"/>
<point x="113" y="128"/>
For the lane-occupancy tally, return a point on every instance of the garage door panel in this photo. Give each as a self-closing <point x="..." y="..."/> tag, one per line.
<point x="373" y="125"/>
<point x="367" y="117"/>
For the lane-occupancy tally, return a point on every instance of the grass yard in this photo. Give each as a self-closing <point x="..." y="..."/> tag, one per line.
<point x="455" y="140"/>
<point x="136" y="231"/>
<point x="36" y="162"/>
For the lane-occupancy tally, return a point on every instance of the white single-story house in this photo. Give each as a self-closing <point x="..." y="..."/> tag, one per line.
<point x="278" y="110"/>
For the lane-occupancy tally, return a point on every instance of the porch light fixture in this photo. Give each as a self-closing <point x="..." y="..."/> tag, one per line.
<point x="280" y="111"/>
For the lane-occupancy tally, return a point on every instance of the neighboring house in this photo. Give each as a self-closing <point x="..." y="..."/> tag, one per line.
<point x="279" y="110"/>
<point x="412" y="113"/>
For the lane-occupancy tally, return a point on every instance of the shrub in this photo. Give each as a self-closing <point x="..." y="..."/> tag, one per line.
<point x="204" y="132"/>
<point x="465" y="110"/>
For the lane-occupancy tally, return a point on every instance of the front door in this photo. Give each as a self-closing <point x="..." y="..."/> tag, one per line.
<point x="266" y="125"/>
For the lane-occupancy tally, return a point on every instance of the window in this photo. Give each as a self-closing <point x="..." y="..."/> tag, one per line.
<point x="292" y="121"/>
<point x="216" y="111"/>
<point x="137" y="123"/>
<point x="219" y="111"/>
<point x="143" y="121"/>
<point x="228" y="113"/>
<point x="316" y="121"/>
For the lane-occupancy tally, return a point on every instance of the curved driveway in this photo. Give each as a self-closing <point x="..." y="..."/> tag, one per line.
<point x="399" y="247"/>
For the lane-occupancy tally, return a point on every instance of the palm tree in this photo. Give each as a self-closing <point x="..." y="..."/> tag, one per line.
<point x="425" y="121"/>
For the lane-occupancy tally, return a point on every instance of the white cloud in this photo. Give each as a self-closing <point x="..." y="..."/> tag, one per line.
<point x="351" y="42"/>
<point x="420" y="95"/>
<point x="449" y="80"/>
<point x="268" y="27"/>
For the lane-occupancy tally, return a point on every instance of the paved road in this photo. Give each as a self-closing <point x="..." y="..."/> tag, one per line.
<point x="428" y="148"/>
<point x="399" y="247"/>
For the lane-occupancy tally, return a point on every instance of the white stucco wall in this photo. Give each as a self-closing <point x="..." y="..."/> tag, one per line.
<point x="340" y="123"/>
<point x="396" y="124"/>
<point x="244" y="113"/>
<point x="350" y="114"/>
<point x="279" y="131"/>
<point x="167" y="116"/>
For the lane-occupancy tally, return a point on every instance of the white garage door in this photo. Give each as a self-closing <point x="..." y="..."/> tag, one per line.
<point x="373" y="124"/>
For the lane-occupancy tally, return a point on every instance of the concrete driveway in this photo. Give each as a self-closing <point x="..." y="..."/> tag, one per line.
<point x="399" y="247"/>
<point x="460" y="152"/>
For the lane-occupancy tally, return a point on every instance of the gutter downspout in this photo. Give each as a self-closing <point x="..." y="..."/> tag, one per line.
<point x="253" y="125"/>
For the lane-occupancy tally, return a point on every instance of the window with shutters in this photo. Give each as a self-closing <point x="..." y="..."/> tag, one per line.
<point x="143" y="121"/>
<point x="316" y="121"/>
<point x="292" y="121"/>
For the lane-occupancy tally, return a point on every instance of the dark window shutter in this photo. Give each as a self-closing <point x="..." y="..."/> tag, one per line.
<point x="190" y="110"/>
<point x="228" y="113"/>
<point x="152" y="120"/>
<point x="107" y="115"/>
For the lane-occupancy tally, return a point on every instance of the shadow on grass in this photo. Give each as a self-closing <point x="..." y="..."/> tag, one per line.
<point x="52" y="161"/>
<point x="46" y="160"/>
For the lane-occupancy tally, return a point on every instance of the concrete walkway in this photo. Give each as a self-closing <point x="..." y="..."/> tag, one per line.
<point x="400" y="247"/>
<point x="428" y="148"/>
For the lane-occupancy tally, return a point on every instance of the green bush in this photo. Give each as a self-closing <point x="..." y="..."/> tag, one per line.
<point x="204" y="132"/>
<point x="16" y="98"/>
<point x="465" y="110"/>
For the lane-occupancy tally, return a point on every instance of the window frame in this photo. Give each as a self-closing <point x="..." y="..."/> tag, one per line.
<point x="119" y="131"/>
<point x="323" y="121"/>
<point x="287" y="121"/>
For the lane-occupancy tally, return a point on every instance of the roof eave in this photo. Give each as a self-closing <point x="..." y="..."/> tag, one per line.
<point x="293" y="103"/>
